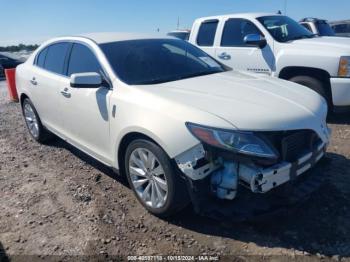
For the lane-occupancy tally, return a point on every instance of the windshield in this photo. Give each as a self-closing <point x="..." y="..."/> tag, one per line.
<point x="324" y="29"/>
<point x="153" y="61"/>
<point x="284" y="29"/>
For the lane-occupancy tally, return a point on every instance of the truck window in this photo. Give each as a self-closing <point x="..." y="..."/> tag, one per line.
<point x="307" y="26"/>
<point x="206" y="33"/>
<point x="324" y="28"/>
<point x="235" y="30"/>
<point x="341" y="28"/>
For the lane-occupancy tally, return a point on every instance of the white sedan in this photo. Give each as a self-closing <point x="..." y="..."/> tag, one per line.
<point x="168" y="116"/>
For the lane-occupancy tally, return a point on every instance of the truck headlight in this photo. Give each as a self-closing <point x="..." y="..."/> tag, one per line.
<point x="344" y="66"/>
<point x="236" y="141"/>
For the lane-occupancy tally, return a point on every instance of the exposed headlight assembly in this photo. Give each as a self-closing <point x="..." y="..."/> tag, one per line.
<point x="236" y="141"/>
<point x="344" y="66"/>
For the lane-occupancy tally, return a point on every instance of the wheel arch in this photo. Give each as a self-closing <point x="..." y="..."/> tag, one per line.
<point x="123" y="145"/>
<point x="22" y="97"/>
<point x="291" y="71"/>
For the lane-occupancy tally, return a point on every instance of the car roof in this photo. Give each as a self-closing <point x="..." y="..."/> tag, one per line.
<point x="239" y="15"/>
<point x="108" y="37"/>
<point x="340" y="22"/>
<point x="10" y="55"/>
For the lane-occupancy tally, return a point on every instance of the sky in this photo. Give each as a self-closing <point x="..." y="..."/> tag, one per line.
<point x="33" y="21"/>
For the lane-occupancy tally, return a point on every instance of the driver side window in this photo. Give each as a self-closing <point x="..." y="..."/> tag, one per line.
<point x="235" y="30"/>
<point x="82" y="60"/>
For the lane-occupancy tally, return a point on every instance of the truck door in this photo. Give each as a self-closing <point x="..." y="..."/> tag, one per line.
<point x="206" y="36"/>
<point x="232" y="50"/>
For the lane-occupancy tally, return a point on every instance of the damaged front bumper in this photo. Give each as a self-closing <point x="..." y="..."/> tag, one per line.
<point x="248" y="185"/>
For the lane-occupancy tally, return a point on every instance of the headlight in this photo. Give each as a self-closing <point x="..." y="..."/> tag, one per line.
<point x="344" y="66"/>
<point x="239" y="142"/>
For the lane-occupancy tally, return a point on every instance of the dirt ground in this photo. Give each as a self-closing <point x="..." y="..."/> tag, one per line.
<point x="55" y="200"/>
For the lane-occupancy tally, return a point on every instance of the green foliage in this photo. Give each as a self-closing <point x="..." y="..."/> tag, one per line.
<point x="16" y="48"/>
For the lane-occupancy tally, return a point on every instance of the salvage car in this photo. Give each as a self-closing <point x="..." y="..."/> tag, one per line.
<point x="172" y="119"/>
<point x="8" y="61"/>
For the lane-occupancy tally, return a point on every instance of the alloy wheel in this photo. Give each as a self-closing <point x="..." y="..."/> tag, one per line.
<point x="148" y="178"/>
<point x="31" y="120"/>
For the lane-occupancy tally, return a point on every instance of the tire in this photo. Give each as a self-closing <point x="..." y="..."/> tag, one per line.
<point x="314" y="84"/>
<point x="34" y="125"/>
<point x="176" y="195"/>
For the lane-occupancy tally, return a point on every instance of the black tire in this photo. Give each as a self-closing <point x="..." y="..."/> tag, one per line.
<point x="314" y="84"/>
<point x="177" y="197"/>
<point x="43" y="134"/>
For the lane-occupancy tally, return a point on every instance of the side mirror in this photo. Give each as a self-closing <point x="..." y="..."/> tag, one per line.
<point x="255" y="40"/>
<point x="86" y="80"/>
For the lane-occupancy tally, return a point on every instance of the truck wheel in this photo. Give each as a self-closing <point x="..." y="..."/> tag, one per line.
<point x="154" y="180"/>
<point x="33" y="122"/>
<point x="313" y="84"/>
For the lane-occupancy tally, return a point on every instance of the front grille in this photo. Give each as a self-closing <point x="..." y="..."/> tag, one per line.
<point x="293" y="144"/>
<point x="296" y="144"/>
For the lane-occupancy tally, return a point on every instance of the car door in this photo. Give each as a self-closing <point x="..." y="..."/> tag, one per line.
<point x="233" y="51"/>
<point x="86" y="113"/>
<point x="45" y="83"/>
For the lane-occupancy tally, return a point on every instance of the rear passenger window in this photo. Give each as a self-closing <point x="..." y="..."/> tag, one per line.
<point x="206" y="33"/>
<point x="82" y="60"/>
<point x="55" y="57"/>
<point x="236" y="30"/>
<point x="41" y="58"/>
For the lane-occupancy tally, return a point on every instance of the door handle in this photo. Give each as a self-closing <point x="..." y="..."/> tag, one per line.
<point x="33" y="81"/>
<point x="224" y="56"/>
<point x="65" y="93"/>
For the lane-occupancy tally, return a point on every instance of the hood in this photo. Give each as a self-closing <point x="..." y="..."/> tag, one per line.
<point x="328" y="43"/>
<point x="247" y="101"/>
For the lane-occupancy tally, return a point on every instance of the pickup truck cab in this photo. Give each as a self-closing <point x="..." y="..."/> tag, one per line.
<point x="278" y="46"/>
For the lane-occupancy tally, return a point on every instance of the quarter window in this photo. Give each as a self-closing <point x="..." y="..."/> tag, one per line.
<point x="55" y="57"/>
<point x="206" y="33"/>
<point x="41" y="58"/>
<point x="235" y="30"/>
<point x="82" y="60"/>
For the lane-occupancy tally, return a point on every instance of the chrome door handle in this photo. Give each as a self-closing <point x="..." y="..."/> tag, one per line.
<point x="33" y="81"/>
<point x="224" y="56"/>
<point x="65" y="93"/>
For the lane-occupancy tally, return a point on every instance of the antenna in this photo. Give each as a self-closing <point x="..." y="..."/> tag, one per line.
<point x="178" y="22"/>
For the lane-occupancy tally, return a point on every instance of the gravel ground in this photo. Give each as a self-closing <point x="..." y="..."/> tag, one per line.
<point x="55" y="200"/>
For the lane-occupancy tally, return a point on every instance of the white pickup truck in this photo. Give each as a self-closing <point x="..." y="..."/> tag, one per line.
<point x="277" y="45"/>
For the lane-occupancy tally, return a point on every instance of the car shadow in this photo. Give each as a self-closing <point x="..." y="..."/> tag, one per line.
<point x="339" y="119"/>
<point x="319" y="225"/>
<point x="59" y="143"/>
<point x="3" y="255"/>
